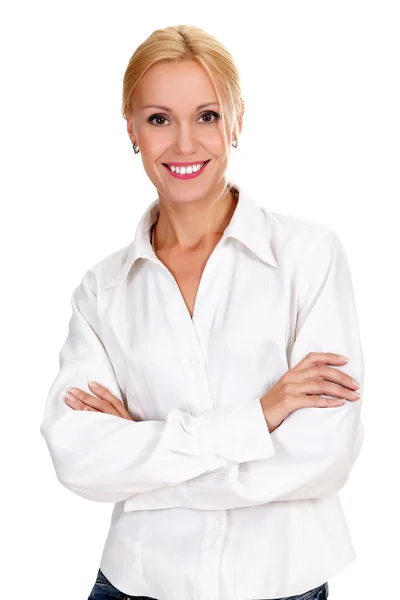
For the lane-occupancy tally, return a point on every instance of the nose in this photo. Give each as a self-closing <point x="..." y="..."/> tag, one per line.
<point x="185" y="141"/>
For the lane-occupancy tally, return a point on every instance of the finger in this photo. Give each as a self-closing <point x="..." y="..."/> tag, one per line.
<point x="307" y="401"/>
<point x="91" y="401"/>
<point x="105" y="394"/>
<point x="313" y="358"/>
<point x="320" y="386"/>
<point x="321" y="371"/>
<point x="77" y="404"/>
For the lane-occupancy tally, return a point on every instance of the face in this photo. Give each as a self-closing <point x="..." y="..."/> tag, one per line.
<point x="176" y="119"/>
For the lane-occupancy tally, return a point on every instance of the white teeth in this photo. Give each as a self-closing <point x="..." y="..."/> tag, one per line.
<point x="185" y="170"/>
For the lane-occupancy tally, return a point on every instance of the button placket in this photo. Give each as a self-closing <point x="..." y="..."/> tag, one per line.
<point x="215" y="524"/>
<point x="210" y="558"/>
<point x="187" y="331"/>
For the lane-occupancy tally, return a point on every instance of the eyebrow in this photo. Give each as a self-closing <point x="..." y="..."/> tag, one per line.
<point x="170" y="109"/>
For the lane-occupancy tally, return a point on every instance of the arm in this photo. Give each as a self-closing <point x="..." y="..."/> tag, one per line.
<point x="106" y="458"/>
<point x="315" y="447"/>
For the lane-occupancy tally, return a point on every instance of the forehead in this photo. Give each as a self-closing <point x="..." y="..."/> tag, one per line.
<point x="174" y="85"/>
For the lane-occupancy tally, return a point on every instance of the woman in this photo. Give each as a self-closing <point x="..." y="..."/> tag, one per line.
<point x="217" y="334"/>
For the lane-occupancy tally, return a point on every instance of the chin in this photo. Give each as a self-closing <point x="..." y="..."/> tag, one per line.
<point x="185" y="198"/>
<point x="181" y="192"/>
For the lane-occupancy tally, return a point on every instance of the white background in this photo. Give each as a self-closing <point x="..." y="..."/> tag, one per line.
<point x="320" y="140"/>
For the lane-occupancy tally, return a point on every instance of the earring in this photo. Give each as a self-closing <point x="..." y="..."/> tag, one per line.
<point x="235" y="143"/>
<point x="135" y="148"/>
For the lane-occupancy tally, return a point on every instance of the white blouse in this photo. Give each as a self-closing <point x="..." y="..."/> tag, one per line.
<point x="209" y="505"/>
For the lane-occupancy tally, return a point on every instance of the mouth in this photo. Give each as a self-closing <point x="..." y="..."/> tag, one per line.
<point x="187" y="172"/>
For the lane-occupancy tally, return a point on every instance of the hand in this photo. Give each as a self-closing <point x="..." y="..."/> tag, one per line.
<point x="298" y="388"/>
<point x="105" y="401"/>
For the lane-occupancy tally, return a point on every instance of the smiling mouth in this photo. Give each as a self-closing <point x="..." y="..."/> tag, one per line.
<point x="187" y="175"/>
<point x="173" y="170"/>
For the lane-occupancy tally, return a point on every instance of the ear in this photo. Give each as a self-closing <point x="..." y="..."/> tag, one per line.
<point x="130" y="128"/>
<point x="240" y="117"/>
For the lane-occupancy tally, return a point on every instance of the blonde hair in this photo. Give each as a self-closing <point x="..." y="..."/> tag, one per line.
<point x="181" y="43"/>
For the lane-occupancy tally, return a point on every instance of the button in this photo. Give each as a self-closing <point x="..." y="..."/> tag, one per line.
<point x="215" y="524"/>
<point x="193" y="361"/>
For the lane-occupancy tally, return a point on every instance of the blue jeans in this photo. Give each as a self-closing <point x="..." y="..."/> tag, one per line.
<point x="104" y="590"/>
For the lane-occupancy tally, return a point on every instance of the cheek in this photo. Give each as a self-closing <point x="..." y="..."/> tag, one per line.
<point x="214" y="143"/>
<point x="152" y="146"/>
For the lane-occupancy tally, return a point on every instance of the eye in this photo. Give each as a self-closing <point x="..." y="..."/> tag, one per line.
<point x="212" y="114"/>
<point x="151" y="119"/>
<point x="155" y="119"/>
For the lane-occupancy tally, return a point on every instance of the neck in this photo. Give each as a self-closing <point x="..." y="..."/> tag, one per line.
<point x="194" y="226"/>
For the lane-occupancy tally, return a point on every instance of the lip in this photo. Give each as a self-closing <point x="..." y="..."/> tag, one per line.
<point x="187" y="175"/>
<point x="186" y="164"/>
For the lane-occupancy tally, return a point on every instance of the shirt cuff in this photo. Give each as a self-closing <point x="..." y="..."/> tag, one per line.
<point x="232" y="435"/>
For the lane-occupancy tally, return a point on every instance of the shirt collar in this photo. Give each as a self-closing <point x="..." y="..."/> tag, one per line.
<point x="250" y="224"/>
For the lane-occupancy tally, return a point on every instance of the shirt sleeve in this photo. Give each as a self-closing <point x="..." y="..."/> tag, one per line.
<point x="316" y="448"/>
<point x="107" y="458"/>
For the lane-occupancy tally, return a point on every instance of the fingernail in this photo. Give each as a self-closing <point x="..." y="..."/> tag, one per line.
<point x="94" y="384"/>
<point x="344" y="357"/>
<point x="355" y="382"/>
<point x="70" y="398"/>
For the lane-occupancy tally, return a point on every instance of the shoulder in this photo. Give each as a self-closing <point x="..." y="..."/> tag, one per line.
<point x="100" y="273"/>
<point x="293" y="237"/>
